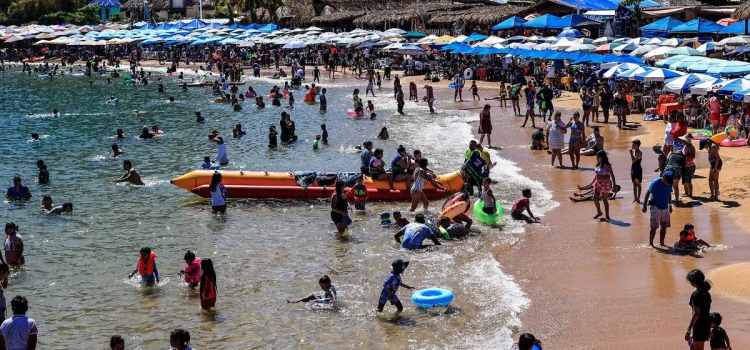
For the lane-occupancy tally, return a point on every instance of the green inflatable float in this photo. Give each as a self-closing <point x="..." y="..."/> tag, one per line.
<point x="488" y="218"/>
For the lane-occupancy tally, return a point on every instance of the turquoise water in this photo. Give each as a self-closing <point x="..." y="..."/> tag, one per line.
<point x="264" y="251"/>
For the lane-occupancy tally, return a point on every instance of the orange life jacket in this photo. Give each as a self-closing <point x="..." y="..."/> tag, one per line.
<point x="146" y="267"/>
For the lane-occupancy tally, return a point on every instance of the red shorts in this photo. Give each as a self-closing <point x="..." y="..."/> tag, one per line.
<point x="723" y="120"/>
<point x="713" y="116"/>
<point x="207" y="304"/>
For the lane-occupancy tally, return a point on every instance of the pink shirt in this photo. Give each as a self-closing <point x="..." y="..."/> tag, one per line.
<point x="713" y="105"/>
<point x="11" y="254"/>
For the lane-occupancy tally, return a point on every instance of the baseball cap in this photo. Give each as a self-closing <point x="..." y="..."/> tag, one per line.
<point x="668" y="176"/>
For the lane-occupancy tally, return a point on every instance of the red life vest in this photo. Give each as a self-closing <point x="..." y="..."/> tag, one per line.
<point x="146" y="267"/>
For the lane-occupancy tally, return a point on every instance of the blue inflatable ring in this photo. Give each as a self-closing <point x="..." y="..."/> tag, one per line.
<point x="488" y="218"/>
<point x="432" y="297"/>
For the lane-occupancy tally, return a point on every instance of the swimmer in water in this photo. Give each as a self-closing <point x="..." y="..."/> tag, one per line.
<point x="179" y="339"/>
<point x="237" y="132"/>
<point x="192" y="271"/>
<point x="155" y="130"/>
<point x="112" y="100"/>
<point x="199" y="118"/>
<point x="34" y="136"/>
<point x="329" y="296"/>
<point x="120" y="134"/>
<point x="147" y="267"/>
<point x="171" y="99"/>
<point x="43" y="177"/>
<point x="49" y="208"/>
<point x="145" y="134"/>
<point x="131" y="175"/>
<point x="54" y="111"/>
<point x="116" y="151"/>
<point x="208" y="164"/>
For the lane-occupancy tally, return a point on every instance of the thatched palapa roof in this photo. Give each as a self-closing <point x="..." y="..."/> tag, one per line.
<point x="159" y="5"/>
<point x="742" y="12"/>
<point x="484" y="15"/>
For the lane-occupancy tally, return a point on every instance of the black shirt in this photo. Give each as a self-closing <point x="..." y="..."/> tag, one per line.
<point x="701" y="299"/>
<point x="718" y="338"/>
<point x="676" y="159"/>
<point x="606" y="97"/>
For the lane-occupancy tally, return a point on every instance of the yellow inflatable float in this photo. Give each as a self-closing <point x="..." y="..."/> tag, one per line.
<point x="451" y="181"/>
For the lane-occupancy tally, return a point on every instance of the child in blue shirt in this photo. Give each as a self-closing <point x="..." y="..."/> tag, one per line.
<point x="328" y="297"/>
<point x="324" y="132"/>
<point x="391" y="284"/>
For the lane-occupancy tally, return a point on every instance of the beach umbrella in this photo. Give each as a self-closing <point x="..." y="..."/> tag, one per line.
<point x="686" y="51"/>
<point x="729" y="68"/>
<point x="625" y="49"/>
<point x="617" y="69"/>
<point x="703" y="66"/>
<point x="704" y="87"/>
<point x="585" y="41"/>
<point x="630" y="75"/>
<point x="682" y="84"/>
<point x="414" y="35"/>
<point x="657" y="53"/>
<point x="344" y="41"/>
<point x="653" y="41"/>
<point x="396" y="30"/>
<point x="510" y="23"/>
<point x="742" y="96"/>
<point x="570" y="33"/>
<point x="658" y="74"/>
<point x="639" y="52"/>
<point x="564" y="44"/>
<point x="603" y="40"/>
<point x="731" y="86"/>
<point x="517" y="39"/>
<point x="628" y="59"/>
<point x="427" y="38"/>
<point x="459" y="39"/>
<point x="726" y="21"/>
<point x="735" y="41"/>
<point x="639" y="41"/>
<point x="410" y="49"/>
<point x="474" y="37"/>
<point x="606" y="48"/>
<point x="672" y="42"/>
<point x="40" y="42"/>
<point x="707" y="48"/>
<point x="535" y="39"/>
<point x="443" y="39"/>
<point x="14" y="38"/>
<point x="686" y="62"/>
<point x="581" y="47"/>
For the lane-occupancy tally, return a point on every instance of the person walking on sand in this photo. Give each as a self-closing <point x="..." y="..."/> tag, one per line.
<point x="485" y="125"/>
<point x="430" y="96"/>
<point x="714" y="160"/>
<point x="577" y="135"/>
<point x="529" y="107"/>
<point x="636" y="170"/>
<point x="700" y="305"/>
<point x="458" y="80"/>
<point x="604" y="181"/>
<point x="659" y="200"/>
<point x="687" y="175"/>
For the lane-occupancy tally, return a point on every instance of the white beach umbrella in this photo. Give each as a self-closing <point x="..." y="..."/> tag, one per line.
<point x="639" y="52"/>
<point x="735" y="41"/>
<point x="581" y="47"/>
<point x="657" y="53"/>
<point x="672" y="42"/>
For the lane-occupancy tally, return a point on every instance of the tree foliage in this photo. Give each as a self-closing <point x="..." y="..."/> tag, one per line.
<point x="24" y="11"/>
<point x="82" y="16"/>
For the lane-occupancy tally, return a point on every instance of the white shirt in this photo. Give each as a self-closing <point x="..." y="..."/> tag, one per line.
<point x="550" y="72"/>
<point x="668" y="139"/>
<point x="366" y="53"/>
<point x="17" y="330"/>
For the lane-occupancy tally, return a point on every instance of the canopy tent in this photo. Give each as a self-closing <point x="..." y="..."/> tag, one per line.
<point x="510" y="23"/>
<point x="547" y="21"/>
<point x="604" y="4"/>
<point x="698" y="25"/>
<point x="663" y="25"/>
<point x="571" y="21"/>
<point x="737" y="28"/>
<point x="195" y="24"/>
<point x="270" y="27"/>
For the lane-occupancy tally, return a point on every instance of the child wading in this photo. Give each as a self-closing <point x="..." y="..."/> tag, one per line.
<point x="328" y="297"/>
<point x="391" y="284"/>
<point x="208" y="286"/>
<point x="147" y="267"/>
<point x="192" y="271"/>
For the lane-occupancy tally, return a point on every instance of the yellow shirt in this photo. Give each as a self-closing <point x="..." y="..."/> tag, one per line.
<point x="485" y="155"/>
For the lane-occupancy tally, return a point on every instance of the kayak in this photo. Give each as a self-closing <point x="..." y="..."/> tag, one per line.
<point x="297" y="192"/>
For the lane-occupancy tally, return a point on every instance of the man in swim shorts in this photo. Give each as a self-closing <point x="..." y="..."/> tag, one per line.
<point x="659" y="200"/>
<point x="131" y="175"/>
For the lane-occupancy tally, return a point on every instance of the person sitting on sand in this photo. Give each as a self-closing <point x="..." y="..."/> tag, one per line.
<point x="688" y="241"/>
<point x="522" y="204"/>
<point x="131" y="175"/>
<point x="588" y="195"/>
<point x="594" y="144"/>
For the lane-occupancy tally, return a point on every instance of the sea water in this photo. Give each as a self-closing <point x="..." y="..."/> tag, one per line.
<point x="265" y="252"/>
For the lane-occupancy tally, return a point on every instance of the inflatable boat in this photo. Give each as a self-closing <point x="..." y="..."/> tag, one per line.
<point x="313" y="192"/>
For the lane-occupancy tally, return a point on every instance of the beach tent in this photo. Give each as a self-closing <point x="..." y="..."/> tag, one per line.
<point x="195" y="24"/>
<point x="571" y="21"/>
<point x="510" y="23"/>
<point x="660" y="28"/>
<point x="270" y="27"/>
<point x="547" y="21"/>
<point x="698" y="25"/>
<point x="737" y="28"/>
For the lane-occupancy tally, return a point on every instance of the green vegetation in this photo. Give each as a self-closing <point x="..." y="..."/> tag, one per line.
<point x="51" y="12"/>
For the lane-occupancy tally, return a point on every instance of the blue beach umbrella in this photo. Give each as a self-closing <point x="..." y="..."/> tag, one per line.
<point x="742" y="96"/>
<point x="570" y="33"/>
<point x="729" y="87"/>
<point x="704" y="87"/>
<point x="510" y="23"/>
<point x="729" y="68"/>
<point x="658" y="74"/>
<point x="630" y="74"/>
<point x="682" y="85"/>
